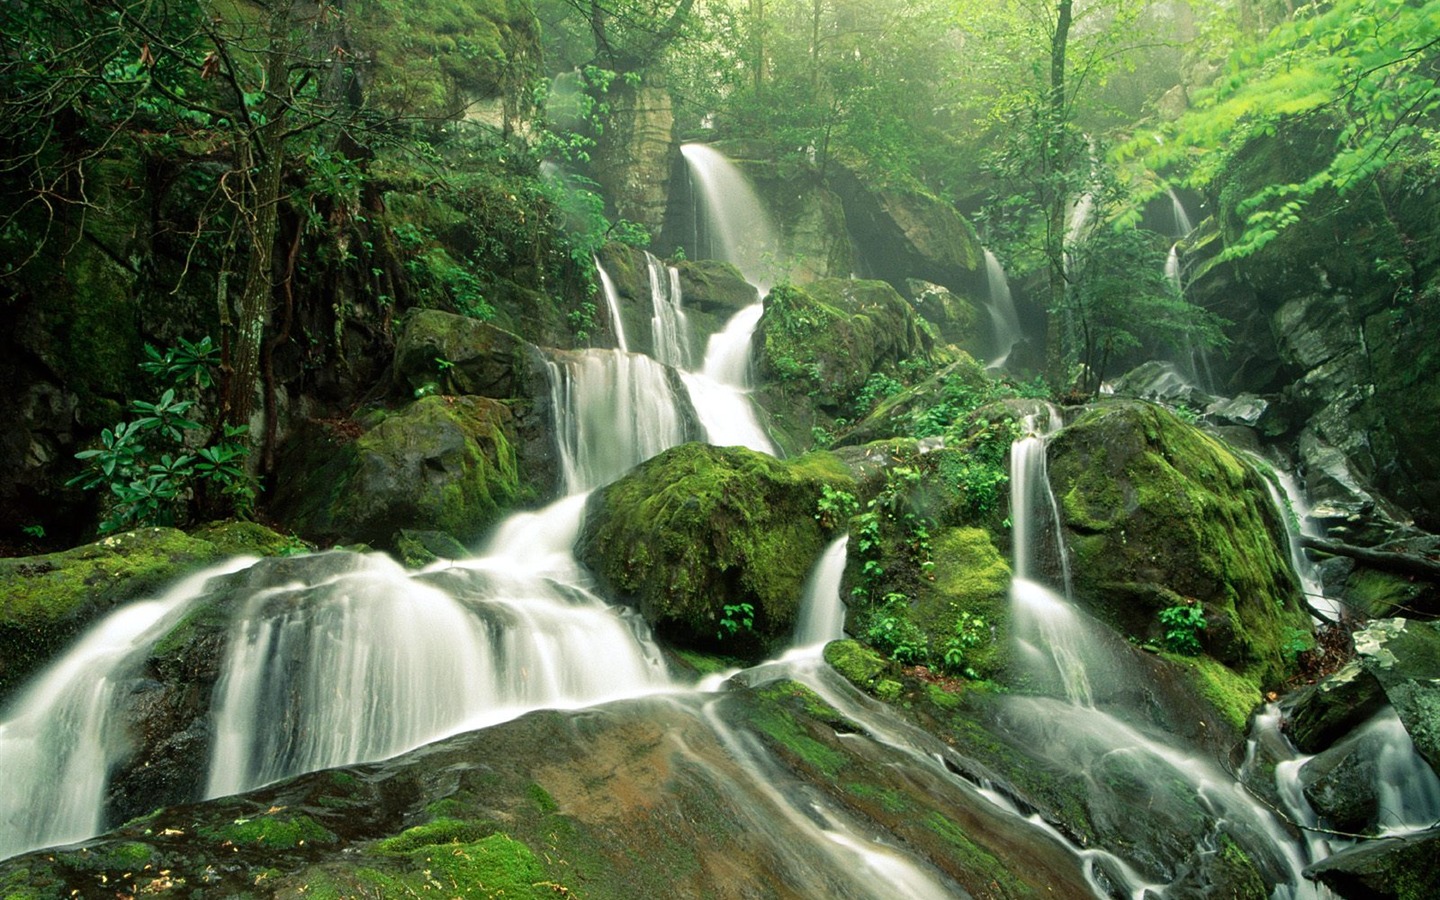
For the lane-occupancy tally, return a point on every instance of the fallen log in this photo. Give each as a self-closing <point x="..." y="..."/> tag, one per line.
<point x="1388" y="560"/>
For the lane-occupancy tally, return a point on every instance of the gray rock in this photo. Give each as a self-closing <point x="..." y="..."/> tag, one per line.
<point x="1404" y="657"/>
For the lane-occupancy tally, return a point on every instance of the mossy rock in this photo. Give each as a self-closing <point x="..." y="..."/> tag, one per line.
<point x="440" y="464"/>
<point x="434" y="58"/>
<point x="45" y="601"/>
<point x="818" y="344"/>
<point x="1159" y="514"/>
<point x="700" y="528"/>
<point x="970" y="576"/>
<point x="452" y="354"/>
<point x="962" y="386"/>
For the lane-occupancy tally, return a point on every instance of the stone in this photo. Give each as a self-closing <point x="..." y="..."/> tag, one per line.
<point x="440" y="463"/>
<point x="1319" y="715"/>
<point x="699" y="529"/>
<point x="1404" y="656"/>
<point x="452" y="354"/>
<point x="1398" y="868"/>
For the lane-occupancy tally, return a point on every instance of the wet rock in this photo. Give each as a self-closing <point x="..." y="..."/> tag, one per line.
<point x="1163" y="382"/>
<point x="1340" y="784"/>
<point x="1404" y="657"/>
<point x="1319" y="715"/>
<point x="419" y="548"/>
<point x="45" y="601"/>
<point x="698" y="530"/>
<point x="955" y="319"/>
<point x="1402" y="868"/>
<point x="1158" y="514"/>
<point x="711" y="293"/>
<point x="440" y="352"/>
<point x="636" y="152"/>
<point x="1245" y="409"/>
<point x="440" y="463"/>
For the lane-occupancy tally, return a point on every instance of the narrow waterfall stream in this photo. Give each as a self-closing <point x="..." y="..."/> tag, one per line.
<point x="1004" y="319"/>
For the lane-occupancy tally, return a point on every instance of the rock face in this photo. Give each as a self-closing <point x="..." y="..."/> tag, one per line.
<point x="711" y="293"/>
<point x="1159" y="515"/>
<point x="441" y="463"/>
<point x="1404" y="657"/>
<point x="636" y="153"/>
<point x="698" y="529"/>
<point x="440" y="352"/>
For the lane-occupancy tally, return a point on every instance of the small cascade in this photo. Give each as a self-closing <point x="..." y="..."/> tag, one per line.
<point x="669" y="327"/>
<point x="1003" y="316"/>
<point x="374" y="661"/>
<point x="1079" y="721"/>
<point x="1172" y="269"/>
<point x="612" y="303"/>
<point x="60" y="737"/>
<point x="745" y="237"/>
<point x="1290" y="502"/>
<point x="740" y="229"/>
<point x="1183" y="225"/>
<point x="1194" y="360"/>
<point x="822" y="612"/>
<point x="613" y="411"/>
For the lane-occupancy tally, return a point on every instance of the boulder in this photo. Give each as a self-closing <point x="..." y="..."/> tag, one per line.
<point x="1404" y="657"/>
<point x="954" y="319"/>
<point x="1341" y="784"/>
<point x="816" y="346"/>
<point x="698" y="531"/>
<point x="711" y="292"/>
<point x="440" y="463"/>
<point x="1397" y="868"/>
<point x="440" y="352"/>
<point x="1319" y="715"/>
<point x="1158" y="514"/>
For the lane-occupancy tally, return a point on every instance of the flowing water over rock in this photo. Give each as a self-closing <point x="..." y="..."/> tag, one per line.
<point x="1003" y="317"/>
<point x="612" y="303"/>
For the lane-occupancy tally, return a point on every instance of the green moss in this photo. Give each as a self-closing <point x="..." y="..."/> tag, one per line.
<point x="543" y="801"/>
<point x="703" y="664"/>
<point x="249" y="539"/>
<point x="495" y="866"/>
<point x="440" y="831"/>
<point x="1157" y="510"/>
<point x="860" y="665"/>
<point x="1379" y="594"/>
<point x="970" y="576"/>
<point x="888" y="690"/>
<point x="124" y="856"/>
<point x="974" y="858"/>
<point x="1233" y="696"/>
<point x="775" y="718"/>
<point x="271" y="831"/>
<point x="699" y="528"/>
<point x="891" y="801"/>
<point x="46" y="600"/>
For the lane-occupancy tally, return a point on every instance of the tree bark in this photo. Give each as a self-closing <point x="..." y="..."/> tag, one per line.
<point x="1055" y="163"/>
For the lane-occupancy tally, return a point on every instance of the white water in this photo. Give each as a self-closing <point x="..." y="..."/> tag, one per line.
<point x="1172" y="269"/>
<point x="612" y="303"/>
<point x="1294" y="509"/>
<point x="822" y="612"/>
<point x="740" y="228"/>
<point x="613" y="411"/>
<point x="669" y="326"/>
<point x="1071" y="659"/>
<point x="1182" y="218"/>
<point x="1003" y="316"/>
<point x="60" y="736"/>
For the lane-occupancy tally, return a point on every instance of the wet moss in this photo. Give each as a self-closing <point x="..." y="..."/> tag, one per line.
<point x="776" y="719"/>
<point x="700" y="528"/>
<point x="1159" y="513"/>
<point x="271" y="831"/>
<point x="440" y="831"/>
<point x="970" y="576"/>
<point x="860" y="665"/>
<point x="1232" y="696"/>
<point x="975" y="859"/>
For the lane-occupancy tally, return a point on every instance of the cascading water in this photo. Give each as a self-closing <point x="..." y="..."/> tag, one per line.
<point x="739" y="227"/>
<point x="612" y="303"/>
<point x="669" y="327"/>
<point x="59" y="738"/>
<point x="1294" y="509"/>
<point x="1078" y="665"/>
<point x="1182" y="218"/>
<point x="822" y="612"/>
<point x="1003" y="317"/>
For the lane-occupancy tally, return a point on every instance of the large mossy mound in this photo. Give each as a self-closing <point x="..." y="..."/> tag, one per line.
<point x="441" y="464"/>
<point x="817" y="345"/>
<point x="1158" y="515"/>
<point x="45" y="601"/>
<point x="701" y="528"/>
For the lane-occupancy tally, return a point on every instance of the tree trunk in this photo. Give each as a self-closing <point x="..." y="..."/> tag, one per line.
<point x="1055" y="164"/>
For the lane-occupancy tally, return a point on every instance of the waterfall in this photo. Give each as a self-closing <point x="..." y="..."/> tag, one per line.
<point x="1003" y="317"/>
<point x="1182" y="218"/>
<point x="669" y="327"/>
<point x="741" y="230"/>
<point x="745" y="237"/>
<point x="60" y="737"/>
<point x="1289" y="501"/>
<point x="1076" y="666"/>
<point x="613" y="411"/>
<point x="1172" y="269"/>
<point x="612" y="303"/>
<point x="822" y="612"/>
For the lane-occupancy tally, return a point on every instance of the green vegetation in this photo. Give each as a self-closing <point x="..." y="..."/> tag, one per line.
<point x="1181" y="626"/>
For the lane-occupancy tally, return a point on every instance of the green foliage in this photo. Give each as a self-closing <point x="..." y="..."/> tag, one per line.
<point x="146" y="463"/>
<point x="877" y="387"/>
<point x="893" y="633"/>
<point x="835" y="507"/>
<point x="735" y="618"/>
<point x="1181" y="627"/>
<point x="1367" y="67"/>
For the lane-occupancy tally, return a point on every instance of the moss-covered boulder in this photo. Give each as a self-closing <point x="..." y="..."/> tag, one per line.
<point x="440" y="352"/>
<point x="1159" y="515"/>
<point x="440" y="463"/>
<point x="437" y="59"/>
<point x="1404" y="657"/>
<point x="816" y="347"/>
<point x="700" y="530"/>
<point x="45" y="601"/>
